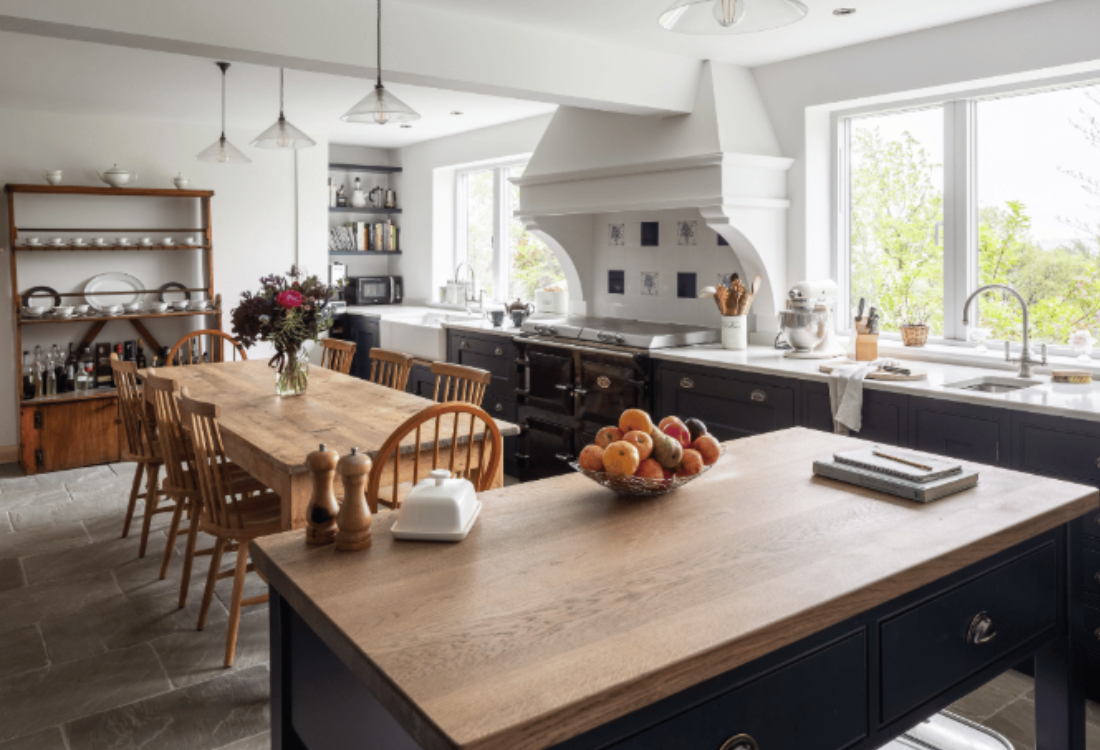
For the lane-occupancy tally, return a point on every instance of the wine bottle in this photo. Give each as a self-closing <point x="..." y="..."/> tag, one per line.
<point x="141" y="355"/>
<point x="28" y="376"/>
<point x="39" y="373"/>
<point x="59" y="369"/>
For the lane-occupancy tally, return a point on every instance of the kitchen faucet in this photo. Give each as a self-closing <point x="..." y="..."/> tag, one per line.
<point x="1026" y="359"/>
<point x="468" y="294"/>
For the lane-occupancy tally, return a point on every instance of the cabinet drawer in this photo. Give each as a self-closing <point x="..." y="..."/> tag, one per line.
<point x="499" y="408"/>
<point x="1062" y="451"/>
<point x="824" y="697"/>
<point x="1091" y="646"/>
<point x="885" y="415"/>
<point x="498" y="356"/>
<point x="730" y="408"/>
<point x="1090" y="561"/>
<point x="931" y="646"/>
<point x="970" y="433"/>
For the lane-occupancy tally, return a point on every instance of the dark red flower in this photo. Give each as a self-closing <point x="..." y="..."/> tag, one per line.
<point x="289" y="298"/>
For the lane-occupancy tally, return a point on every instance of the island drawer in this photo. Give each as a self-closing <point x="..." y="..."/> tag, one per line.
<point x="943" y="641"/>
<point x="731" y="408"/>
<point x="824" y="695"/>
<point x="1090" y="559"/>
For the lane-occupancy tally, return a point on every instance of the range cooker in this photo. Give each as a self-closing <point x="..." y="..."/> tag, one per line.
<point x="579" y="374"/>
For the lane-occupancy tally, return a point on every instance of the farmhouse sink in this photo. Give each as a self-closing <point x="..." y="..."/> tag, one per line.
<point x="422" y="335"/>
<point x="994" y="384"/>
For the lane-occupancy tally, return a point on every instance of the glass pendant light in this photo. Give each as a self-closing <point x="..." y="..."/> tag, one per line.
<point x="222" y="151"/>
<point x="731" y="16"/>
<point x="380" y="106"/>
<point x="282" y="134"/>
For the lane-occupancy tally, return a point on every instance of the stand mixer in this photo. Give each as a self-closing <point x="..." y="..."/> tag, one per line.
<point x="807" y="323"/>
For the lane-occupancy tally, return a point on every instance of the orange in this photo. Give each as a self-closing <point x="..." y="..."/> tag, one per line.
<point x="670" y="420"/>
<point x="642" y="441"/>
<point x="650" y="469"/>
<point x="591" y="458"/>
<point x="621" y="458"/>
<point x="635" y="419"/>
<point x="607" y="436"/>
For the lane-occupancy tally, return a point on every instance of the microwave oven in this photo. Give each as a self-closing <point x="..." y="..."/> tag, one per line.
<point x="374" y="290"/>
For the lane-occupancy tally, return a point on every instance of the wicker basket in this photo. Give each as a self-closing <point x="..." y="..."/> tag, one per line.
<point x="641" y="486"/>
<point x="914" y="335"/>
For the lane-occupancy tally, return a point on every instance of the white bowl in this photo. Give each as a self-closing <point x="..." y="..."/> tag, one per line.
<point x="82" y="309"/>
<point x="63" y="310"/>
<point x="180" y="304"/>
<point x="125" y="241"/>
<point x="198" y="304"/>
<point x="112" y="309"/>
<point x="34" y="312"/>
<point x="132" y="307"/>
<point x="158" y="306"/>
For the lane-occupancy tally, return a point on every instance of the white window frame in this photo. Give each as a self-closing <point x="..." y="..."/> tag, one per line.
<point x="960" y="189"/>
<point x="503" y="211"/>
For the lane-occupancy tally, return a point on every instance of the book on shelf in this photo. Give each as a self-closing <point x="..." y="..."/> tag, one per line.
<point x="921" y="492"/>
<point x="914" y="467"/>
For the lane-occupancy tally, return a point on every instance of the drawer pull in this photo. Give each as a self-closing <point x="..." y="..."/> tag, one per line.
<point x="581" y="391"/>
<point x="1097" y="576"/>
<point x="982" y="630"/>
<point x="498" y="408"/>
<point x="1097" y="634"/>
<point x="563" y="457"/>
<point x="687" y="383"/>
<point x="465" y="345"/>
<point x="561" y="387"/>
<point x="739" y="742"/>
<point x="759" y="396"/>
<point x="499" y="351"/>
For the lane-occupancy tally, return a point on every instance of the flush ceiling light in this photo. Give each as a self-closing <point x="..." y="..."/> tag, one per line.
<point x="380" y="106"/>
<point x="456" y="112"/>
<point x="222" y="151"/>
<point x="731" y="16"/>
<point x="844" y="11"/>
<point x="282" y="134"/>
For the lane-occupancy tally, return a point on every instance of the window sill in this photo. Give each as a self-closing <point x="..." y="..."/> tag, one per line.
<point x="969" y="356"/>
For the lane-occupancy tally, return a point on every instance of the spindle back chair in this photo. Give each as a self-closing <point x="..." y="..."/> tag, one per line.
<point x="207" y="345"/>
<point x="337" y="355"/>
<point x="390" y="368"/>
<point x="460" y="383"/>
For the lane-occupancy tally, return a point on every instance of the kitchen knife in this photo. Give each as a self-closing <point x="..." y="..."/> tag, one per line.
<point x="862" y="302"/>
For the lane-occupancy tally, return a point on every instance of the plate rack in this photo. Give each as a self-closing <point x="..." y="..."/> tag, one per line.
<point x="45" y="421"/>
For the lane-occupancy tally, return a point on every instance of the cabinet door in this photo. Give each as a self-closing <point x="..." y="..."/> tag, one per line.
<point x="364" y="332"/>
<point x="731" y="408"/>
<point x="964" y="431"/>
<point x="885" y="415"/>
<point x="70" y="434"/>
<point x="544" y="449"/>
<point x="608" y="390"/>
<point x="497" y="354"/>
<point x="422" y="382"/>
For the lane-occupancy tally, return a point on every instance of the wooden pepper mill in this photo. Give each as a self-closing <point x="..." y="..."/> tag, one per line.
<point x="322" y="510"/>
<point x="354" y="517"/>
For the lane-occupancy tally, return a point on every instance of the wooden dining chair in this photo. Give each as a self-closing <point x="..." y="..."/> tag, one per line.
<point x="181" y="481"/>
<point x="446" y="436"/>
<point x="460" y="383"/>
<point x="337" y="355"/>
<point x="390" y="368"/>
<point x="233" y="518"/>
<point x="207" y="345"/>
<point x="142" y="448"/>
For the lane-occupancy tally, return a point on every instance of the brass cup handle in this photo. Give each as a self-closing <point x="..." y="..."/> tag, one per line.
<point x="687" y="383"/>
<point x="465" y="345"/>
<point x="499" y="351"/>
<point x="1097" y="576"/>
<point x="739" y="742"/>
<point x="982" y="630"/>
<point x="498" y="408"/>
<point x="1097" y="634"/>
<point x="759" y="396"/>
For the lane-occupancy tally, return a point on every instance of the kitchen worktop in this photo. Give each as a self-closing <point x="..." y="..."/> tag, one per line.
<point x="568" y="607"/>
<point x="1058" y="399"/>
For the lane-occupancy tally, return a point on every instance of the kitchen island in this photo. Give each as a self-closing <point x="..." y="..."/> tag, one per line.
<point x="758" y="607"/>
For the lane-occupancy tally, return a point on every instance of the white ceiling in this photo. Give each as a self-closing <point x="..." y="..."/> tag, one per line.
<point x="57" y="75"/>
<point x="634" y="23"/>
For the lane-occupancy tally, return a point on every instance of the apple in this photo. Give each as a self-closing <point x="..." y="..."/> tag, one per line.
<point x="650" y="469"/>
<point x="642" y="441"/>
<point x="667" y="421"/>
<point x="709" y="448"/>
<point x="691" y="464"/>
<point x="591" y="458"/>
<point x="678" y="432"/>
<point x="608" y="435"/>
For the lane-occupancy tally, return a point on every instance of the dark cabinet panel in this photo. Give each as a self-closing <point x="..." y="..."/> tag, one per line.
<point x="69" y="435"/>
<point x="885" y="415"/>
<point x="544" y="448"/>
<point x="497" y="354"/>
<point x="549" y="382"/>
<point x="364" y="332"/>
<point x="964" y="431"/>
<point x="607" y="390"/>
<point x="730" y="407"/>
<point x="421" y="381"/>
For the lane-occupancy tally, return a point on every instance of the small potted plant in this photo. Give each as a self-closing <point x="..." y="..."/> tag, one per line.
<point x="913" y="324"/>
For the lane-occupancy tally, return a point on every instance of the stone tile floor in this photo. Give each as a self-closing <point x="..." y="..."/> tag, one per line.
<point x="95" y="654"/>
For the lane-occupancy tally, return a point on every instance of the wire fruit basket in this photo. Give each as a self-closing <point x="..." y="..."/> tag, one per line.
<point x="631" y="486"/>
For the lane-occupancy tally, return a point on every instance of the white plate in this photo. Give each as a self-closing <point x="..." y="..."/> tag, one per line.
<point x="113" y="282"/>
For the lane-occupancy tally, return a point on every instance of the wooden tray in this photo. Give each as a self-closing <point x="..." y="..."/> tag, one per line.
<point x="880" y="374"/>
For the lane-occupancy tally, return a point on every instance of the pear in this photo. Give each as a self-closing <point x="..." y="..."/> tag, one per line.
<point x="667" y="451"/>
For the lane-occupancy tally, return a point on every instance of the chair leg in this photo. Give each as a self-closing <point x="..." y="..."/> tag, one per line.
<point x="173" y="532"/>
<point x="211" y="580"/>
<point x="235" y="605"/>
<point x="189" y="556"/>
<point x="135" y="490"/>
<point x="152" y="473"/>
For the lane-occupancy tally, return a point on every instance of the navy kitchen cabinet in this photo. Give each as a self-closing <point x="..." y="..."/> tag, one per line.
<point x="421" y="380"/>
<point x="497" y="354"/>
<point x="885" y="415"/>
<point x="963" y="431"/>
<point x="732" y="404"/>
<point x="364" y="332"/>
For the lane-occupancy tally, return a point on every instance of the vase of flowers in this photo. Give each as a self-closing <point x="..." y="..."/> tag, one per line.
<point x="1082" y="343"/>
<point x="287" y="312"/>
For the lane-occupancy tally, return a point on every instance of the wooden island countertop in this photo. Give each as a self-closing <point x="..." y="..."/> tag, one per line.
<point x="568" y="607"/>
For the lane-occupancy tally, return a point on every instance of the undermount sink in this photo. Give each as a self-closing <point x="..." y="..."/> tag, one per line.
<point x="994" y="384"/>
<point x="421" y="335"/>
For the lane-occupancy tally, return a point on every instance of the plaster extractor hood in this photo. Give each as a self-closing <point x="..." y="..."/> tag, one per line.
<point x="723" y="160"/>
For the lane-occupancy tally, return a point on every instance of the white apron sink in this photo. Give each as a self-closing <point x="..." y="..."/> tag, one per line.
<point x="421" y="335"/>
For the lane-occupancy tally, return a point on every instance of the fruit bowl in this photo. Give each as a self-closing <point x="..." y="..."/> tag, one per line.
<point x="632" y="486"/>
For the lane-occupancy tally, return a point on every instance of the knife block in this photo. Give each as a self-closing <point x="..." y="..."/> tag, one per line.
<point x="866" y="347"/>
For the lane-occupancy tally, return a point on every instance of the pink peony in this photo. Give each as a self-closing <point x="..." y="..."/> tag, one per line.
<point x="289" y="298"/>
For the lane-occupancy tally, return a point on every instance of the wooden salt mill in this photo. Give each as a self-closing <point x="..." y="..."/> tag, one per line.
<point x="354" y="517"/>
<point x="322" y="510"/>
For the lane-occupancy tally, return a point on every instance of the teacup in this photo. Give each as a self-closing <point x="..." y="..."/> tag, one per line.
<point x="52" y="176"/>
<point x="180" y="181"/>
<point x="147" y="241"/>
<point x="34" y="312"/>
<point x="33" y="241"/>
<point x="57" y="241"/>
<point x="63" y="311"/>
<point x="497" y="317"/>
<point x="101" y="241"/>
<point x="191" y="241"/>
<point x="132" y="307"/>
<point x="180" y="305"/>
<point x="158" y="306"/>
<point x="81" y="309"/>
<point x="124" y="241"/>
<point x="112" y="309"/>
<point x="198" y="304"/>
<point x="78" y="241"/>
<point x="169" y="241"/>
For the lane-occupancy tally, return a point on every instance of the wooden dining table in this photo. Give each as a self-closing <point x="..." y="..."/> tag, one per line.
<point x="270" y="437"/>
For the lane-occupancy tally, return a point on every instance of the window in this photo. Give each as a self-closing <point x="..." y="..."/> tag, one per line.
<point x="937" y="201"/>
<point x="508" y="261"/>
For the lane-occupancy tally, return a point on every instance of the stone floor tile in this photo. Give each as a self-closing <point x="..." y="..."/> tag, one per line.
<point x="123" y="623"/>
<point x="57" y="694"/>
<point x="993" y="696"/>
<point x="5" y="522"/>
<point x="11" y="574"/>
<point x="259" y="742"/>
<point x="18" y="483"/>
<point x="89" y="558"/>
<point x="47" y="739"/>
<point x="10" y="471"/>
<point x="1016" y="722"/>
<point x="41" y="601"/>
<point x="111" y="482"/>
<point x="211" y="714"/>
<point x="196" y="656"/>
<point x="141" y="577"/>
<point x="74" y="476"/>
<point x="124" y="468"/>
<point x="109" y="527"/>
<point x="24" y="519"/>
<point x="43" y="539"/>
<point x="21" y="650"/>
<point x="32" y="497"/>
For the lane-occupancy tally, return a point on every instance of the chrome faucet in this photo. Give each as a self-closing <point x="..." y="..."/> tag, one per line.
<point x="468" y="294"/>
<point x="1026" y="360"/>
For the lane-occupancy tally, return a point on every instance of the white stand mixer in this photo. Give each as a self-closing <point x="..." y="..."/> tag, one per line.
<point x="807" y="323"/>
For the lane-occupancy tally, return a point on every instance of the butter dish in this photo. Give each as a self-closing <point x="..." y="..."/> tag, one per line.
<point x="438" y="509"/>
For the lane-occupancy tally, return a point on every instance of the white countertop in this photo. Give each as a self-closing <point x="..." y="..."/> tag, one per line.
<point x="1057" y="399"/>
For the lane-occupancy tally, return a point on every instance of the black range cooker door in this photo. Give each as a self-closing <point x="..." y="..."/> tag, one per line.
<point x="544" y="449"/>
<point x="549" y="382"/>
<point x="607" y="390"/>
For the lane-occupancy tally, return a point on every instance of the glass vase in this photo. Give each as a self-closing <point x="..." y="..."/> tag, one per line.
<point x="292" y="373"/>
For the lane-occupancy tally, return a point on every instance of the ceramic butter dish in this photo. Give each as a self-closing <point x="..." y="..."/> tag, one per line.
<point x="438" y="509"/>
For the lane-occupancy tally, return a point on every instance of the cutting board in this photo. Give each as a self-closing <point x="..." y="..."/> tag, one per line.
<point x="880" y="374"/>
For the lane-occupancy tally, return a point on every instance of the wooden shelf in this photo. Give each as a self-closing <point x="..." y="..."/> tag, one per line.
<point x="364" y="168"/>
<point x="101" y="248"/>
<point x="366" y="253"/>
<point x="108" y="318"/>
<point x="364" y="210"/>
<point x="93" y="190"/>
<point x="92" y="395"/>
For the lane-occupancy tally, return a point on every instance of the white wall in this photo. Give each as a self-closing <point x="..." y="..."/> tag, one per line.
<point x="258" y="213"/>
<point x="1058" y="38"/>
<point x="426" y="193"/>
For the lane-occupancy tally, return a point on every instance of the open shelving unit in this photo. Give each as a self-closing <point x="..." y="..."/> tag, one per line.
<point x="45" y="422"/>
<point x="365" y="210"/>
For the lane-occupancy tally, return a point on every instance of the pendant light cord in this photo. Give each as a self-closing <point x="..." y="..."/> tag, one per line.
<point x="223" y="99"/>
<point x="280" y="93"/>
<point x="379" y="43"/>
